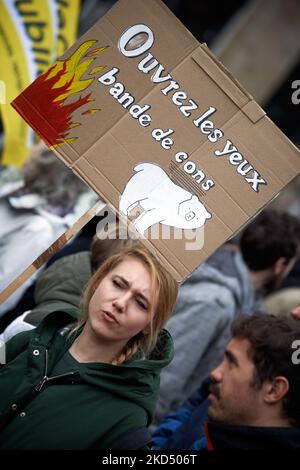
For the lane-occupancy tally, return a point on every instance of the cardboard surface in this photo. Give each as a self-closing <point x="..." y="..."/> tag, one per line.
<point x="153" y="122"/>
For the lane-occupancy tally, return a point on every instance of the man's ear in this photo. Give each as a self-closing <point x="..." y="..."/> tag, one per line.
<point x="279" y="266"/>
<point x="276" y="389"/>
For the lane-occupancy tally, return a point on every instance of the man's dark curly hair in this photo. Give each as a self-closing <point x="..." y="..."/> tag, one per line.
<point x="272" y="235"/>
<point x="271" y="338"/>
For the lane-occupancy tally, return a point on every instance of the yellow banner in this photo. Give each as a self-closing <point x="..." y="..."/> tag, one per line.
<point x="68" y="14"/>
<point x="40" y="21"/>
<point x="17" y="71"/>
<point x="32" y="34"/>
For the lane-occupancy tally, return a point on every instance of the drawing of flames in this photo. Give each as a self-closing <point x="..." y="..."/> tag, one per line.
<point x="50" y="91"/>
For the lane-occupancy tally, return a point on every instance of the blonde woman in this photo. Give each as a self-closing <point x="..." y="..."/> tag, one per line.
<point x="94" y="385"/>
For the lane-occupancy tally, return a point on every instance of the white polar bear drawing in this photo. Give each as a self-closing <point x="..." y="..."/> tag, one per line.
<point x="162" y="200"/>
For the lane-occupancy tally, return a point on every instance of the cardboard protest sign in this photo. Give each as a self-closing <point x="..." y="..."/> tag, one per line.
<point x="153" y="122"/>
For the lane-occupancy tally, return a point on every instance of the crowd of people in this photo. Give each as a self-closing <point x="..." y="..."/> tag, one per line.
<point x="36" y="208"/>
<point x="113" y="354"/>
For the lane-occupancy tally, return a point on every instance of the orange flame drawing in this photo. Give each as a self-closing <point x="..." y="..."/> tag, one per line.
<point x="50" y="91"/>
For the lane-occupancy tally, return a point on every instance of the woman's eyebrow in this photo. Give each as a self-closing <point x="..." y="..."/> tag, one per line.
<point x="143" y="297"/>
<point x="127" y="283"/>
<point x="123" y="280"/>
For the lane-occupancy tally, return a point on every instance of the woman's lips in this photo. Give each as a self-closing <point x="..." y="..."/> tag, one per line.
<point x="110" y="317"/>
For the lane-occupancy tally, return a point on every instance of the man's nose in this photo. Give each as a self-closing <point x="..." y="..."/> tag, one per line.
<point x="216" y="374"/>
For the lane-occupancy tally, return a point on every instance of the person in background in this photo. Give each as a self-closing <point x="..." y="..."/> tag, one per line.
<point x="251" y="401"/>
<point x="93" y="385"/>
<point x="34" y="215"/>
<point x="282" y="300"/>
<point x="230" y="282"/>
<point x="296" y="312"/>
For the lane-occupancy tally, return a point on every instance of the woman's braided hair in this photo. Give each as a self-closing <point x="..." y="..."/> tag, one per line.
<point x="132" y="347"/>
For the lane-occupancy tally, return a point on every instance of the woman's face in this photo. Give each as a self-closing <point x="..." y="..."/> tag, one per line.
<point x="122" y="304"/>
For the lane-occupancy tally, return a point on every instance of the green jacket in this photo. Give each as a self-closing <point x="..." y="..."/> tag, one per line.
<point x="60" y="286"/>
<point x="90" y="406"/>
